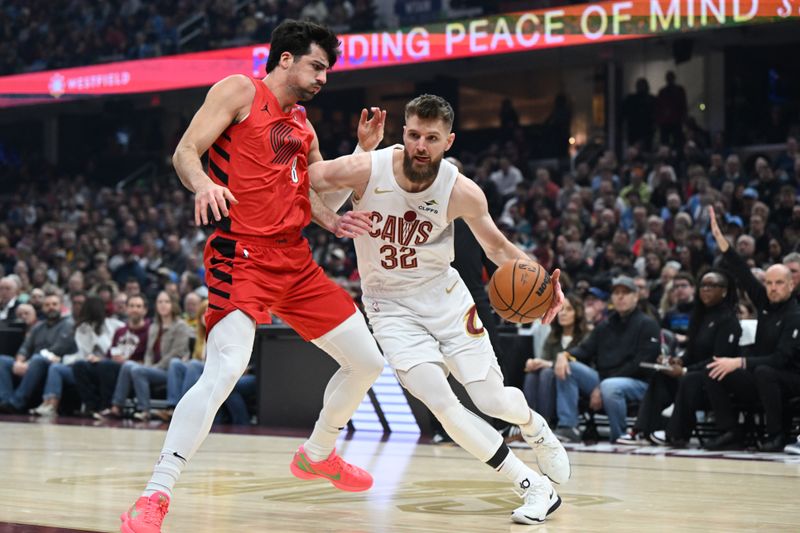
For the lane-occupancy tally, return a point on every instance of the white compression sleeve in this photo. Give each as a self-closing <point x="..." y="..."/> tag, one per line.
<point x="230" y="343"/>
<point x="494" y="399"/>
<point x="428" y="383"/>
<point x="352" y="346"/>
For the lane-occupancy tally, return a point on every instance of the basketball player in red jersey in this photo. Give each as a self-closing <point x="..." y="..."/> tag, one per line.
<point x="260" y="144"/>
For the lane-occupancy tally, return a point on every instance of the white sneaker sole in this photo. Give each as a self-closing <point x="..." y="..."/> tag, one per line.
<point x="521" y="518"/>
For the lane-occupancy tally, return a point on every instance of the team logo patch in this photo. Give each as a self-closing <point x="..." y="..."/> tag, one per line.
<point x="472" y="323"/>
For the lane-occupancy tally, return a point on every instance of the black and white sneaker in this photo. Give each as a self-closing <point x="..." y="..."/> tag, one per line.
<point x="540" y="500"/>
<point x="659" y="438"/>
<point x="567" y="434"/>
<point x="632" y="438"/>
<point x="793" y="448"/>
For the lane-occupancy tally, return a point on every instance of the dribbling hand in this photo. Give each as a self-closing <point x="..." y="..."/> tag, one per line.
<point x="215" y="197"/>
<point x="370" y="130"/>
<point x="352" y="224"/>
<point x="558" y="299"/>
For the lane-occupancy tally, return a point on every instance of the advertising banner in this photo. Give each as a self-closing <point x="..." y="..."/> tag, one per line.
<point x="498" y="34"/>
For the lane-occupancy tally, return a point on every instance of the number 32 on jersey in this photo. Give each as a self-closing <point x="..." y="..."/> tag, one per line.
<point x="393" y="257"/>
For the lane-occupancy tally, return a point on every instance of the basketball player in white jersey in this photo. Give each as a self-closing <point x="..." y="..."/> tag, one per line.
<point x="422" y="314"/>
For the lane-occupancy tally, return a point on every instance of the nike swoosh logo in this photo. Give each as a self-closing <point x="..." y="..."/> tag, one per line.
<point x="378" y="190"/>
<point x="305" y="464"/>
<point x="449" y="290"/>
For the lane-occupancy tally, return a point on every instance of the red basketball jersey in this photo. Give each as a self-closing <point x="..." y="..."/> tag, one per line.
<point x="263" y="160"/>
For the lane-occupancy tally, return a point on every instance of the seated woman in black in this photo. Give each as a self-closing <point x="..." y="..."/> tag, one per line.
<point x="714" y="330"/>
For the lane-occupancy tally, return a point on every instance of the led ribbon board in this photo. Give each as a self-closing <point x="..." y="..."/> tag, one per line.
<point x="500" y="34"/>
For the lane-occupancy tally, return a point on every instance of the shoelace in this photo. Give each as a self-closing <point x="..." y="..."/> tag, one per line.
<point x="337" y="462"/>
<point x="154" y="514"/>
<point x="552" y="449"/>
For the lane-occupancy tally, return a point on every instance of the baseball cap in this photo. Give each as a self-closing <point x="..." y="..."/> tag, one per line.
<point x="734" y="219"/>
<point x="598" y="293"/>
<point x="624" y="281"/>
<point x="750" y="193"/>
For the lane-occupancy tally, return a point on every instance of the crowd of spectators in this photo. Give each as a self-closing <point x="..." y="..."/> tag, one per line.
<point x="35" y="37"/>
<point x="643" y="217"/>
<point x="83" y="32"/>
<point x="633" y="239"/>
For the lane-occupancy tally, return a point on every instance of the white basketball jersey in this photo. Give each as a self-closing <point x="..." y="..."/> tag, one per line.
<point x="411" y="242"/>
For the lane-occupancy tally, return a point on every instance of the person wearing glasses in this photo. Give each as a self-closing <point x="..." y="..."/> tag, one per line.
<point x="676" y="319"/>
<point x="713" y="331"/>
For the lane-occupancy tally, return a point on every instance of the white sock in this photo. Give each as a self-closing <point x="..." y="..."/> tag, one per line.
<point x="517" y="472"/>
<point x="165" y="474"/>
<point x="322" y="441"/>
<point x="535" y="425"/>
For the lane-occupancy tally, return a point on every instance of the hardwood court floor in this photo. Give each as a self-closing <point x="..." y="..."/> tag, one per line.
<point x="82" y="478"/>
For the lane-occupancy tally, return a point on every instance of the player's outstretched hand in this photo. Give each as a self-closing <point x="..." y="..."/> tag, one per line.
<point x="214" y="197"/>
<point x="370" y="130"/>
<point x="352" y="224"/>
<point x="558" y="299"/>
<point x="722" y="242"/>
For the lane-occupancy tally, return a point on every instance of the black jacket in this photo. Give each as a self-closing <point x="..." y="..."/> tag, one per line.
<point x="617" y="345"/>
<point x="717" y="335"/>
<point x="469" y="260"/>
<point x="778" y="331"/>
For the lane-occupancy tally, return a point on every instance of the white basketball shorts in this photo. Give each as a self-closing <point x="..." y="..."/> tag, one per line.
<point x="439" y="325"/>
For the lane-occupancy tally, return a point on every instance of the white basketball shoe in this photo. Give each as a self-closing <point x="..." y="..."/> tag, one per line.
<point x="550" y="453"/>
<point x="539" y="500"/>
<point x="793" y="448"/>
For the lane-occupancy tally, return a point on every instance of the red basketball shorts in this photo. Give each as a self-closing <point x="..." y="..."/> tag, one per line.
<point x="272" y="275"/>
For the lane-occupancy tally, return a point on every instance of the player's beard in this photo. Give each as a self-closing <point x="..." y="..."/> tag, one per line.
<point x="420" y="175"/>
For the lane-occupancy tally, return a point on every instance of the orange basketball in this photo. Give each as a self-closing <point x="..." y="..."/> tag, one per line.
<point x="520" y="291"/>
